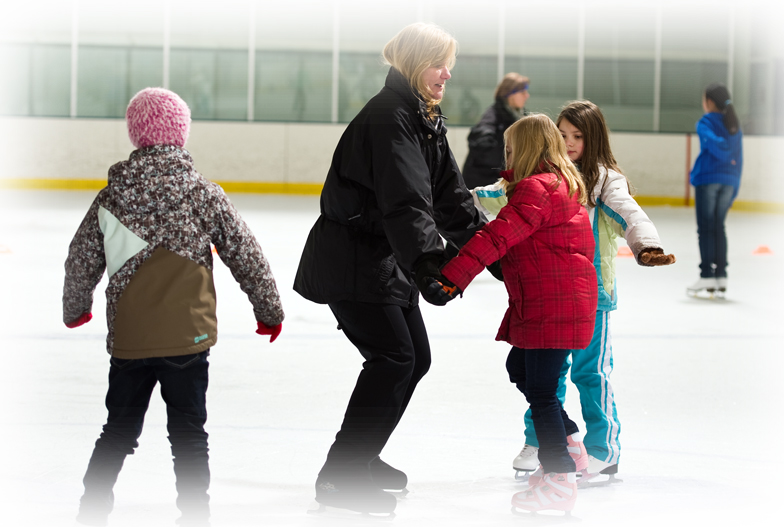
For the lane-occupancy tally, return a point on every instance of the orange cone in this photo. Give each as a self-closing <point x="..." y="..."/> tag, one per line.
<point x="762" y="249"/>
<point x="625" y="252"/>
<point x="4" y="250"/>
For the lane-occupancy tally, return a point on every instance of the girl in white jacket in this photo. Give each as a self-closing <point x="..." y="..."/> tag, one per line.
<point x="613" y="212"/>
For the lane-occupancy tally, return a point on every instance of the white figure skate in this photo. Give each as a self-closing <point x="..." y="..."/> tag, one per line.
<point x="706" y="287"/>
<point x="594" y="474"/>
<point x="526" y="462"/>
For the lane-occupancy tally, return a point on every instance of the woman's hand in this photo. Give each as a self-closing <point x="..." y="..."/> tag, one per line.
<point x="432" y="285"/>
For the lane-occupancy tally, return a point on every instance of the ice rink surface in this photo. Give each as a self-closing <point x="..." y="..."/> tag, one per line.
<point x="697" y="384"/>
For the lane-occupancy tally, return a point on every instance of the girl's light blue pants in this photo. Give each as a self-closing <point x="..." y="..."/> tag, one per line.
<point x="591" y="370"/>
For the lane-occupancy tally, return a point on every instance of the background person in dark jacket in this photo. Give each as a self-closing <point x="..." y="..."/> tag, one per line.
<point x="486" y="141"/>
<point x="392" y="191"/>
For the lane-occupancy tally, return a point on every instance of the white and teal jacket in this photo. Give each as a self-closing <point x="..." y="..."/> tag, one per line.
<point x="616" y="214"/>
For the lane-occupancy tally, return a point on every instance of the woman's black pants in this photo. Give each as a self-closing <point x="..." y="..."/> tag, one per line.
<point x="393" y="341"/>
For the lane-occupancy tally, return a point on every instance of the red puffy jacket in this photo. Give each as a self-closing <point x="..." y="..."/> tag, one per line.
<point x="546" y="246"/>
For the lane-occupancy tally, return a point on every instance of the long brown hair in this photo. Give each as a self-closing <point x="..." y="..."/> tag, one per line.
<point x="414" y="49"/>
<point x="588" y="118"/>
<point x="720" y="95"/>
<point x="537" y="148"/>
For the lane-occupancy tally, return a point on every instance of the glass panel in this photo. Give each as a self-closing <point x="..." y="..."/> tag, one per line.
<point x="624" y="91"/>
<point x="362" y="76"/>
<point x="213" y="83"/>
<point x="103" y="82"/>
<point x="50" y="74"/>
<point x="471" y="86"/>
<point x="293" y="86"/>
<point x="553" y="81"/>
<point x="15" y="82"/>
<point x="683" y="83"/>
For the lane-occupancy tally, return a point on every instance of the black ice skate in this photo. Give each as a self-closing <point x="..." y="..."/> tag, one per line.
<point x="358" y="495"/>
<point x="388" y="478"/>
<point x="94" y="508"/>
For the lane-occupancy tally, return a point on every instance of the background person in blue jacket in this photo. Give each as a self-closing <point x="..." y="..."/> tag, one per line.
<point x="716" y="179"/>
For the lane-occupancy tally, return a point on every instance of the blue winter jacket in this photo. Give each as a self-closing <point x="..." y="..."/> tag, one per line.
<point x="721" y="154"/>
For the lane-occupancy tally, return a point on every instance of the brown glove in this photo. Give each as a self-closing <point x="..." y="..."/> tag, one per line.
<point x="656" y="257"/>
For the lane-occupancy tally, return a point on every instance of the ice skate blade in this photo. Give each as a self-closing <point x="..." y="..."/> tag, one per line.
<point x="703" y="294"/>
<point x="545" y="514"/>
<point x="327" y="511"/>
<point x="398" y="493"/>
<point x="522" y="475"/>
<point x="587" y="482"/>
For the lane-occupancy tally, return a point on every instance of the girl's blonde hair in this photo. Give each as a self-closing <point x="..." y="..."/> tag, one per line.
<point x="414" y="49"/>
<point x="538" y="148"/>
<point x="588" y="118"/>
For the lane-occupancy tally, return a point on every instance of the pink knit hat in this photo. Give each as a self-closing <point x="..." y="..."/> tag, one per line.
<point x="157" y="116"/>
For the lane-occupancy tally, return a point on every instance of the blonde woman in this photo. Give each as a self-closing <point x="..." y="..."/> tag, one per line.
<point x="392" y="191"/>
<point x="544" y="240"/>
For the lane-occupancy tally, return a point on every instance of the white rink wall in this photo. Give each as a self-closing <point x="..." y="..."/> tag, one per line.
<point x="241" y="152"/>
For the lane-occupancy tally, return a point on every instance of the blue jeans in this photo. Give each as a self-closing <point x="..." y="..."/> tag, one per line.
<point x="183" y="382"/>
<point x="712" y="202"/>
<point x="536" y="372"/>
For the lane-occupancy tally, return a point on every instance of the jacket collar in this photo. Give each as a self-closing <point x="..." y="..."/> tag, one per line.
<point x="544" y="168"/>
<point x="399" y="84"/>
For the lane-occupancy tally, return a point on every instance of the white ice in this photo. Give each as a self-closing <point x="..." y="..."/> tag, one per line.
<point x="697" y="384"/>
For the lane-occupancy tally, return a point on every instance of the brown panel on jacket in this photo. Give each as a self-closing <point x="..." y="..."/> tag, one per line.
<point x="167" y="309"/>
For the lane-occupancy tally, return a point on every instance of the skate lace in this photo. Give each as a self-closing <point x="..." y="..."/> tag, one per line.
<point x="528" y="451"/>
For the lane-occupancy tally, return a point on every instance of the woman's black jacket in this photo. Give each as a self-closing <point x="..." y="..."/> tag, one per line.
<point x="486" y="146"/>
<point x="392" y="191"/>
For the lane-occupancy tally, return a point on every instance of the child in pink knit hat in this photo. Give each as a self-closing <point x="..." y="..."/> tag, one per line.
<point x="151" y="229"/>
<point x="157" y="116"/>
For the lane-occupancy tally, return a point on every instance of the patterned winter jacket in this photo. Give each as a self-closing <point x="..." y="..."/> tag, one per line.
<point x="616" y="215"/>
<point x="543" y="239"/>
<point x="151" y="229"/>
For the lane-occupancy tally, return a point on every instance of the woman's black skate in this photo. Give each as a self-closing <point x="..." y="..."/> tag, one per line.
<point x="387" y="477"/>
<point x="358" y="495"/>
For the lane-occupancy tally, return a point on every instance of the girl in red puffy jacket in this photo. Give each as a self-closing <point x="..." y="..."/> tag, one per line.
<point x="544" y="241"/>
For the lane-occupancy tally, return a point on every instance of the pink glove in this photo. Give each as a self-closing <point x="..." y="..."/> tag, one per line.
<point x="273" y="332"/>
<point x="83" y="319"/>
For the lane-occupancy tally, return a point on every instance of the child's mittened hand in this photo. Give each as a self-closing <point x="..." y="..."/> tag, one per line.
<point x="273" y="331"/>
<point x="84" y="318"/>
<point x="656" y="257"/>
